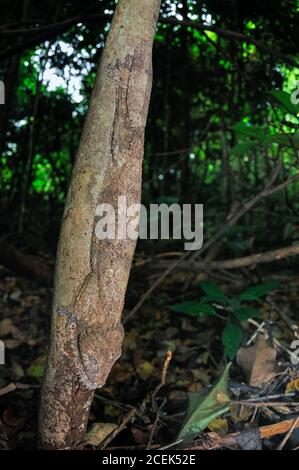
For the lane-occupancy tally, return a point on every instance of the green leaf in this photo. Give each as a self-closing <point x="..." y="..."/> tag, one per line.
<point x="206" y="299"/>
<point x="250" y="131"/>
<point x="290" y="140"/>
<point x="258" y="291"/>
<point x="205" y="408"/>
<point x="196" y="309"/>
<point x="243" y="147"/>
<point x="244" y="313"/>
<point x="283" y="99"/>
<point x="37" y="367"/>
<point x="231" y="339"/>
<point x="213" y="292"/>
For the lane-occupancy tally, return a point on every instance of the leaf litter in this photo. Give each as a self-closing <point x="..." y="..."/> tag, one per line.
<point x="258" y="390"/>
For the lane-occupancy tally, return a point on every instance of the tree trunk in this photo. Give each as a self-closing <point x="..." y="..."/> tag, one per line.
<point x="91" y="275"/>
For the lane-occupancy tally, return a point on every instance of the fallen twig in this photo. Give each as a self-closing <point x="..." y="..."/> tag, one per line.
<point x="154" y="403"/>
<point x="163" y="378"/>
<point x="214" y="441"/>
<point x="290" y="324"/>
<point x="288" y="435"/>
<point x="236" y="263"/>
<point x="16" y="386"/>
<point x="277" y="343"/>
<point x="264" y="403"/>
<point x="127" y="418"/>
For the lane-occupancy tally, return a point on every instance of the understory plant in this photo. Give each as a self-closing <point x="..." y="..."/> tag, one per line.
<point x="234" y="310"/>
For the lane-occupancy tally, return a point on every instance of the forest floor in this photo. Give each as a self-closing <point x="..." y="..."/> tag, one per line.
<point x="166" y="356"/>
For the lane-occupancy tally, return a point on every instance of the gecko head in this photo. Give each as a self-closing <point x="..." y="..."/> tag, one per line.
<point x="99" y="349"/>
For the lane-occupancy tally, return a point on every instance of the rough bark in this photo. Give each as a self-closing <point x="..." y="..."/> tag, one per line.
<point x="91" y="275"/>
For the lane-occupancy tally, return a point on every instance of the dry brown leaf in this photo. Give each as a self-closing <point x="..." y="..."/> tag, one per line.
<point x="98" y="432"/>
<point x="145" y="370"/>
<point x="12" y="343"/>
<point x="5" y="327"/>
<point x="121" y="372"/>
<point x="240" y="413"/>
<point x="258" y="362"/>
<point x="219" y="426"/>
<point x="201" y="375"/>
<point x="292" y="386"/>
<point x="141" y="436"/>
<point x="112" y="411"/>
<point x="192" y="387"/>
<point x="130" y="341"/>
<point x="10" y="419"/>
<point x="222" y="398"/>
<point x="17" y="371"/>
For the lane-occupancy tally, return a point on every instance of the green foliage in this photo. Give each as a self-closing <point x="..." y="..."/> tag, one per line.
<point x="233" y="307"/>
<point x="196" y="309"/>
<point x="213" y="292"/>
<point x="288" y="140"/>
<point x="244" y="313"/>
<point x="244" y="147"/>
<point x="205" y="408"/>
<point x="231" y="339"/>
<point x="282" y="99"/>
<point x="210" y="96"/>
<point x="258" y="291"/>
<point x="255" y="136"/>
<point x="248" y="130"/>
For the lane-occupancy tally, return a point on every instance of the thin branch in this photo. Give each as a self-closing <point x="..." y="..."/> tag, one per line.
<point x="290" y="323"/>
<point x="45" y="33"/>
<point x="230" y="35"/>
<point x="128" y="417"/>
<point x="16" y="386"/>
<point x="236" y="263"/>
<point x="154" y="403"/>
<point x="5" y="28"/>
<point x="235" y="217"/>
<point x="289" y="433"/>
<point x="163" y="378"/>
<point x="266" y="191"/>
<point x="261" y="329"/>
<point x="273" y="404"/>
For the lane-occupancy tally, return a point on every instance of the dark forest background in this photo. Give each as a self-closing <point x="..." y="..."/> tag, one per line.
<point x="222" y="131"/>
<point x="205" y="85"/>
